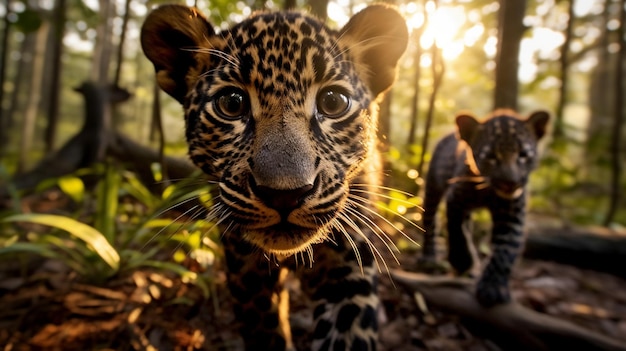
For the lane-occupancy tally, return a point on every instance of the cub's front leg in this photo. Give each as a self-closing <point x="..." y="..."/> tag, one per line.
<point x="342" y="283"/>
<point x="462" y="253"/>
<point x="507" y="240"/>
<point x="261" y="301"/>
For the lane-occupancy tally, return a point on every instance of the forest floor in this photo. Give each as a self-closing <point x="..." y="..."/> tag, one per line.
<point x="43" y="306"/>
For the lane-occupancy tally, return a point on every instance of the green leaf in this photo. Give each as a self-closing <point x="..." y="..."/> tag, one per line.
<point x="89" y="235"/>
<point x="139" y="191"/>
<point x="73" y="187"/>
<point x="108" y="190"/>
<point x="36" y="248"/>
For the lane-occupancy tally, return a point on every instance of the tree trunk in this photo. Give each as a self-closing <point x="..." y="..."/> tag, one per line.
<point x="438" y="69"/>
<point x="417" y="35"/>
<point x="27" y="48"/>
<point x="616" y="163"/>
<point x="82" y="150"/>
<point x="157" y="130"/>
<point x="103" y="47"/>
<point x="564" y="62"/>
<point x="101" y="63"/>
<point x="4" y="56"/>
<point x="319" y="8"/>
<point x="34" y="97"/>
<point x="55" y="78"/>
<point x="601" y="102"/>
<point x="120" y="48"/>
<point x="510" y="31"/>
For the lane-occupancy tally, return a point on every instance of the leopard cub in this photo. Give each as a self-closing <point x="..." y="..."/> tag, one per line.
<point x="280" y="114"/>
<point x="483" y="164"/>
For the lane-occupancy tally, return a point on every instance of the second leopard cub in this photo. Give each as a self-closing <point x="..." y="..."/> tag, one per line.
<point x="486" y="164"/>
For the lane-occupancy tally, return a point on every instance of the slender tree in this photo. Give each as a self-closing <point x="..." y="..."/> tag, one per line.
<point x="564" y="71"/>
<point x="103" y="46"/>
<point x="34" y="97"/>
<point x="618" y="113"/>
<point x="120" y="48"/>
<point x="55" y="78"/>
<point x="4" y="50"/>
<point x="510" y="31"/>
<point x="319" y="8"/>
<point x="417" y="58"/>
<point x="601" y="100"/>
<point x="438" y="70"/>
<point x="101" y="63"/>
<point x="22" y="74"/>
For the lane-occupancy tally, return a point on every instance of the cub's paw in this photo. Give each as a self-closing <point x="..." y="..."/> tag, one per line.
<point x="489" y="295"/>
<point x="462" y="261"/>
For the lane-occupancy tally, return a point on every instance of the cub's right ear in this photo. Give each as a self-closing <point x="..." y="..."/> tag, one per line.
<point x="467" y="126"/>
<point x="175" y="38"/>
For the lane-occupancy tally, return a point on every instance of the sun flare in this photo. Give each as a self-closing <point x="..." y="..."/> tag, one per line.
<point x="443" y="27"/>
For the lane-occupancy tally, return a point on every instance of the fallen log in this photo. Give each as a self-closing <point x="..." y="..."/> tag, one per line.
<point x="93" y="143"/>
<point x="139" y="159"/>
<point x="598" y="249"/>
<point x="511" y="326"/>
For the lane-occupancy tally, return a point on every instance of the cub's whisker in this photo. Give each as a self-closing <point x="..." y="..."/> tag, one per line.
<point x="365" y="201"/>
<point x="390" y="245"/>
<point x="382" y="187"/>
<point x="149" y="241"/>
<point x="403" y="201"/>
<point x="339" y="226"/>
<point x="373" y="248"/>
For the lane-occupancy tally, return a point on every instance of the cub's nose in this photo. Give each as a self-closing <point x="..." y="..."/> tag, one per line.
<point x="283" y="201"/>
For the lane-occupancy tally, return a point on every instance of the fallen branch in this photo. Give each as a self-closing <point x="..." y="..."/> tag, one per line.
<point x="511" y="326"/>
<point x="139" y="159"/>
<point x="94" y="142"/>
<point x="589" y="248"/>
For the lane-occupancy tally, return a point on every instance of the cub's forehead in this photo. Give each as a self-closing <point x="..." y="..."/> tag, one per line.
<point x="505" y="126"/>
<point x="279" y="52"/>
<point x="294" y="27"/>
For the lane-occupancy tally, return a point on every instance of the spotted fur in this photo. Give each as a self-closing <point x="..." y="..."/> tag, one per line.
<point x="280" y="112"/>
<point x="484" y="165"/>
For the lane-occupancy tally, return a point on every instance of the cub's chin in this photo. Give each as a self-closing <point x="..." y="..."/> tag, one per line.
<point x="285" y="239"/>
<point x="509" y="195"/>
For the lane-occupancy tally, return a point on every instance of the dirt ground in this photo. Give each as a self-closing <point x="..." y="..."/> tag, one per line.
<point x="43" y="306"/>
<point x="47" y="309"/>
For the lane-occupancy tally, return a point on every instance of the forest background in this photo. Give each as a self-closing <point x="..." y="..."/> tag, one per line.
<point x="568" y="64"/>
<point x="79" y="110"/>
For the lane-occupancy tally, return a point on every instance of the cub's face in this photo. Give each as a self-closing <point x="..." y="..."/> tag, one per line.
<point x="504" y="148"/>
<point x="277" y="111"/>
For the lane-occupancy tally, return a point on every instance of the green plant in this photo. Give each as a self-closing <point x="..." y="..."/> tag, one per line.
<point x="122" y="235"/>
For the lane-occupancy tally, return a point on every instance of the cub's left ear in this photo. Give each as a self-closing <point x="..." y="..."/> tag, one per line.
<point x="376" y="37"/>
<point x="537" y="122"/>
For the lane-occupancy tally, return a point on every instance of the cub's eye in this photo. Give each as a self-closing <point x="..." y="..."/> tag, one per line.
<point x="231" y="104"/>
<point x="332" y="102"/>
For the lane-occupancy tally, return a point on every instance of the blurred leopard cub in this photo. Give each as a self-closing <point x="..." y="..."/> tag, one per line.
<point x="483" y="164"/>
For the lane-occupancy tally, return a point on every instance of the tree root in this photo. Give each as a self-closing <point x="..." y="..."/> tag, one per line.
<point x="511" y="326"/>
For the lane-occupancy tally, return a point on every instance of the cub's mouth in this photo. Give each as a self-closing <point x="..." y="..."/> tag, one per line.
<point x="293" y="225"/>
<point x="507" y="190"/>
